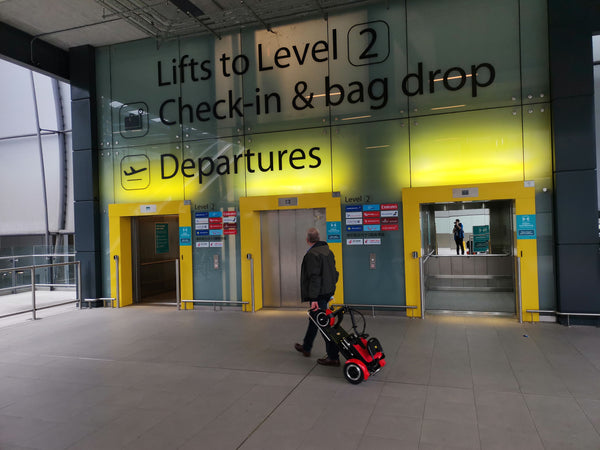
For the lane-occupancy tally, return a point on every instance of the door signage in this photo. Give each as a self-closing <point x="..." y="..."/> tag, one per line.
<point x="481" y="238"/>
<point x="370" y="218"/>
<point x="161" y="238"/>
<point x="526" y="228"/>
<point x="185" y="236"/>
<point x="334" y="232"/>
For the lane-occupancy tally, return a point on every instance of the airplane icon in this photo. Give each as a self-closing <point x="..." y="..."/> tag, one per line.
<point x="134" y="171"/>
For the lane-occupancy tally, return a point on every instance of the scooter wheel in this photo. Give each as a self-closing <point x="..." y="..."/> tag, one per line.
<point x="353" y="373"/>
<point x="322" y="319"/>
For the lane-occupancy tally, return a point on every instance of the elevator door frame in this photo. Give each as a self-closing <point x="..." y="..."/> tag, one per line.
<point x="412" y="198"/>
<point x="119" y="218"/>
<point x="250" y="232"/>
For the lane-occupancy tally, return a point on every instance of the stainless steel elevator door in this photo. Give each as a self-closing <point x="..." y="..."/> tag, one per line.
<point x="283" y="245"/>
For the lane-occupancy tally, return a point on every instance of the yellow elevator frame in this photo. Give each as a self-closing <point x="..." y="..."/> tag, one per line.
<point x="250" y="208"/>
<point x="412" y="198"/>
<point x="119" y="220"/>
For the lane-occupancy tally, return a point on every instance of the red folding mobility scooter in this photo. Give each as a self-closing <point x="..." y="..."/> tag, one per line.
<point x="364" y="356"/>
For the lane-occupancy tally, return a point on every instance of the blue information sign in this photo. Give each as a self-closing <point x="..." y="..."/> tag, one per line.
<point x="371" y="208"/>
<point x="185" y="236"/>
<point x="526" y="226"/>
<point x="351" y="208"/>
<point x="334" y="232"/>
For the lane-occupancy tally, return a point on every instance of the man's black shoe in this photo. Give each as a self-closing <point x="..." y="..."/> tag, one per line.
<point x="299" y="348"/>
<point x="329" y="362"/>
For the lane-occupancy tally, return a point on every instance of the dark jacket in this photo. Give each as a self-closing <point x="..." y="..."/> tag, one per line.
<point x="458" y="231"/>
<point x="318" y="275"/>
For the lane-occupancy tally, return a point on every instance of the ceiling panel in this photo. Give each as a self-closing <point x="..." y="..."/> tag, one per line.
<point x="71" y="23"/>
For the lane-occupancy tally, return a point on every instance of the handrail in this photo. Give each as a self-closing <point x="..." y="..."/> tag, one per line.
<point x="428" y="256"/>
<point x="116" y="258"/>
<point x="149" y="263"/>
<point x="558" y="313"/>
<point x="32" y="269"/>
<point x="35" y="255"/>
<point x="374" y="306"/>
<point x="519" y="291"/>
<point x="38" y="266"/>
<point x="177" y="284"/>
<point x="222" y="302"/>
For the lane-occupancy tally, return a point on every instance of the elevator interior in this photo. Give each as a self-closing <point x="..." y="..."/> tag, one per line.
<point x="154" y="252"/>
<point x="478" y="282"/>
<point x="283" y="245"/>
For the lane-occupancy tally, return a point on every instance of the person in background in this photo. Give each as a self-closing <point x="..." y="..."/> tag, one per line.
<point x="318" y="277"/>
<point x="459" y="235"/>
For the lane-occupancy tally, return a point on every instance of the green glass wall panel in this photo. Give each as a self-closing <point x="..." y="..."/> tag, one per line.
<point x="288" y="162"/>
<point x="140" y="85"/>
<point x="103" y="97"/>
<point x="370" y="167"/>
<point x="470" y="147"/>
<point x="535" y="81"/>
<point x="383" y="284"/>
<point x="537" y="166"/>
<point x="371" y="160"/>
<point x="462" y="55"/>
<point x="214" y="102"/>
<point x="214" y="172"/>
<point x="365" y="80"/>
<point x="285" y="81"/>
<point x="148" y="173"/>
<point x="216" y="265"/>
<point x="106" y="173"/>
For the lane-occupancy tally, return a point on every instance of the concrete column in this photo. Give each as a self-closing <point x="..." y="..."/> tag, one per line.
<point x="85" y="168"/>
<point x="577" y="245"/>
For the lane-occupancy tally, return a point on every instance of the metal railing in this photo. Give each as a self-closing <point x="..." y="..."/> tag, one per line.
<point x="214" y="303"/>
<point x="518" y="295"/>
<point x="34" y="306"/>
<point x="356" y="305"/>
<point x="558" y="313"/>
<point x="14" y="281"/>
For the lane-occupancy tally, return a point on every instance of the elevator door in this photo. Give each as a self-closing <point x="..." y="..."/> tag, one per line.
<point x="476" y="281"/>
<point x="155" y="249"/>
<point x="283" y="245"/>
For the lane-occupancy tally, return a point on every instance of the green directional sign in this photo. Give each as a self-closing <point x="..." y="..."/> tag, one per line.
<point x="481" y="238"/>
<point x="161" y="238"/>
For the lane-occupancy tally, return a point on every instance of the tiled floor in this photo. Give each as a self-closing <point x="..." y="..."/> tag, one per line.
<point x="151" y="377"/>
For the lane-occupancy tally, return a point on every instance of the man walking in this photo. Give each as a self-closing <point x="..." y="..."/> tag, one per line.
<point x="318" y="277"/>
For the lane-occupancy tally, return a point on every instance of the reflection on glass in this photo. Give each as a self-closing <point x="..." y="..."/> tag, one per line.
<point x="371" y="160"/>
<point x="470" y="147"/>
<point x="462" y="60"/>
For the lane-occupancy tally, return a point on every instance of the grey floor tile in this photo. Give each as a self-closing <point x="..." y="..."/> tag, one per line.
<point x="506" y="411"/>
<point x="444" y="434"/>
<point x="404" y="429"/>
<point x="379" y="443"/>
<point x="561" y="423"/>
<point x="16" y="431"/>
<point x="591" y="408"/>
<point x="493" y="438"/>
<point x="452" y="405"/>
